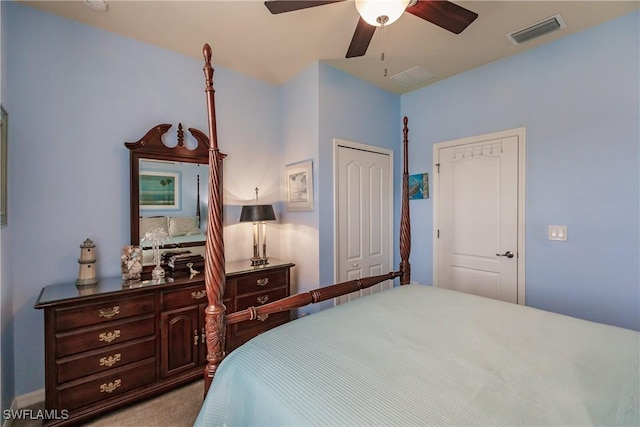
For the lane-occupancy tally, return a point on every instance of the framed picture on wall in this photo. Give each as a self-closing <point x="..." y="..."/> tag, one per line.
<point x="4" y="132"/>
<point x="160" y="190"/>
<point x="419" y="186"/>
<point x="299" y="182"/>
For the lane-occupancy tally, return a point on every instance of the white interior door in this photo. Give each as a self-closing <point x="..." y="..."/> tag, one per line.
<point x="478" y="221"/>
<point x="364" y="210"/>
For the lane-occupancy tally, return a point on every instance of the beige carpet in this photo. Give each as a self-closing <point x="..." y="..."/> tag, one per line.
<point x="176" y="408"/>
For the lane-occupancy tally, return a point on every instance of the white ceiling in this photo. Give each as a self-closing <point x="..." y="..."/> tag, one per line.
<point x="247" y="38"/>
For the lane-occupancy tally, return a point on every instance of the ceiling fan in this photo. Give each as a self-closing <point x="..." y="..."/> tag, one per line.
<point x="442" y="13"/>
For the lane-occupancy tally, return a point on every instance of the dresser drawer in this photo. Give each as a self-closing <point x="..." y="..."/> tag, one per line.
<point x="263" y="323"/>
<point x="260" y="298"/>
<point x="91" y="314"/>
<point x="186" y="297"/>
<point x="111" y="384"/>
<point x="261" y="281"/>
<point x="84" y="364"/>
<point x="104" y="335"/>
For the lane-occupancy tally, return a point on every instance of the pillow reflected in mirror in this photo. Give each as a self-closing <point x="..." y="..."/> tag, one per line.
<point x="153" y="223"/>
<point x="183" y="226"/>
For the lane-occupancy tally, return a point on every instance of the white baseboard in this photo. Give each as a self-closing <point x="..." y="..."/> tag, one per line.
<point x="23" y="401"/>
<point x="9" y="421"/>
<point x="28" y="399"/>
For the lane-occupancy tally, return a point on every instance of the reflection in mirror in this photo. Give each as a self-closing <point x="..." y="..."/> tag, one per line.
<point x="172" y="196"/>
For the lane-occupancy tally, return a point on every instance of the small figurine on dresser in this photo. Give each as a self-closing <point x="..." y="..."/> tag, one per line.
<point x="87" y="261"/>
<point x="156" y="238"/>
<point x="131" y="261"/>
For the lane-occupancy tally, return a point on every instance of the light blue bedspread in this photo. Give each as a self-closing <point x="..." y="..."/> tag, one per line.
<point x="417" y="355"/>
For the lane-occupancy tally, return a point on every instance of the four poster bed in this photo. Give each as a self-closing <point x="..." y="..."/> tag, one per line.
<point x="412" y="355"/>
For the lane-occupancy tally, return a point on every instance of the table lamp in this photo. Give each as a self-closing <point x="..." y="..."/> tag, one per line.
<point x="258" y="215"/>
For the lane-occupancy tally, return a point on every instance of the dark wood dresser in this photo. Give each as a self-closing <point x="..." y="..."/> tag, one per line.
<point x="110" y="344"/>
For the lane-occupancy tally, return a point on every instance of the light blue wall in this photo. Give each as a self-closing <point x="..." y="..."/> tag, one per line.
<point x="578" y="99"/>
<point x="299" y="103"/>
<point x="76" y="94"/>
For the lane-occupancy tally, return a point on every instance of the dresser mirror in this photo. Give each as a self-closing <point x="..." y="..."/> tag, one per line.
<point x="168" y="188"/>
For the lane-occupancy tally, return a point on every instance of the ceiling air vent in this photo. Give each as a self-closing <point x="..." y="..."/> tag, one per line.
<point x="536" y="30"/>
<point x="412" y="76"/>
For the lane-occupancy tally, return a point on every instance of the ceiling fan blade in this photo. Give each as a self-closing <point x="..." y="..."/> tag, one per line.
<point x="444" y="14"/>
<point x="361" y="39"/>
<point x="282" y="6"/>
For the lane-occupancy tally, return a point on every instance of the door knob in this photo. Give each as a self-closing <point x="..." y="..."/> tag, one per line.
<point x="508" y="254"/>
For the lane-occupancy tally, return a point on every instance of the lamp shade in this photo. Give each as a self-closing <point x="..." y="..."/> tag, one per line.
<point x="257" y="213"/>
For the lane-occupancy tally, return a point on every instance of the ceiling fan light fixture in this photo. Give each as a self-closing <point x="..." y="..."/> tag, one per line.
<point x="381" y="12"/>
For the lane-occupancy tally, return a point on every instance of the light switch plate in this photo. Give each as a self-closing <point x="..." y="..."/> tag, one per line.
<point x="558" y="232"/>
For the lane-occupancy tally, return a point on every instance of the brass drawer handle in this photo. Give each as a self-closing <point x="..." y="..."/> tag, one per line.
<point x="199" y="294"/>
<point x="195" y="337"/>
<point x="109" y="336"/>
<point x="108" y="313"/>
<point x="110" y="387"/>
<point x="204" y="336"/>
<point x="262" y="282"/>
<point x="262" y="299"/>
<point x="111" y="360"/>
<point x="262" y="317"/>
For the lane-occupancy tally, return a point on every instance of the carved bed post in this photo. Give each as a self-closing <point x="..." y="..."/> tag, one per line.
<point x="214" y="250"/>
<point x="405" y="223"/>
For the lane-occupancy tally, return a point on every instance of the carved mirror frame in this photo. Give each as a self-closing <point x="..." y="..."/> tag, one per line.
<point x="151" y="147"/>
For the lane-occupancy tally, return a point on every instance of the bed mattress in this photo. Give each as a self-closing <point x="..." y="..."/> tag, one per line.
<point x="418" y="355"/>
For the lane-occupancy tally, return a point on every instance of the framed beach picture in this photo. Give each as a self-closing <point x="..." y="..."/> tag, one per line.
<point x="299" y="182"/>
<point x="160" y="190"/>
<point x="419" y="186"/>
